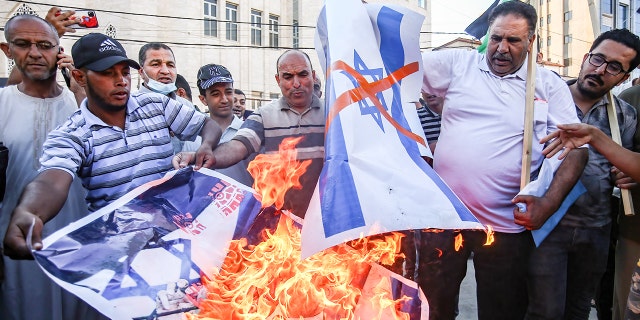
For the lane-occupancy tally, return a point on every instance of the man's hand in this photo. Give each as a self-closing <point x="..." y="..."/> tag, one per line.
<point x="60" y="20"/>
<point x="15" y="240"/>
<point x="538" y="211"/>
<point x="622" y="180"/>
<point x="569" y="136"/>
<point x="65" y="61"/>
<point x="183" y="159"/>
<point x="204" y="157"/>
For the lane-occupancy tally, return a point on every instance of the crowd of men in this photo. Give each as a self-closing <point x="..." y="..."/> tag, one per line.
<point x="70" y="156"/>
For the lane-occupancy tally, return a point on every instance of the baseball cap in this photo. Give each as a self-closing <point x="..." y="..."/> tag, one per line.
<point x="98" y="52"/>
<point x="211" y="74"/>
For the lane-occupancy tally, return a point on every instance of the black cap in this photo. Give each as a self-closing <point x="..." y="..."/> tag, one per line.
<point x="98" y="52"/>
<point x="211" y="74"/>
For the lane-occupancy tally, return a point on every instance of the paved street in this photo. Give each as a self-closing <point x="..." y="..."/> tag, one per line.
<point x="467" y="304"/>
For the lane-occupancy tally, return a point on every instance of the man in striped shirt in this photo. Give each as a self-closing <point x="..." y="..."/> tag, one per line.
<point x="429" y="111"/>
<point x="114" y="143"/>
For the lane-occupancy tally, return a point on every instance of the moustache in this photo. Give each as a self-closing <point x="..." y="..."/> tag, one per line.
<point x="501" y="56"/>
<point x="595" y="78"/>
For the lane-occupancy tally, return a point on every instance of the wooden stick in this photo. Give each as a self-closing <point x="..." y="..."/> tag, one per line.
<point x="627" y="203"/>
<point x="527" y="141"/>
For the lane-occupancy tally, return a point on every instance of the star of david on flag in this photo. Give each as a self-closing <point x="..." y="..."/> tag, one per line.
<point x="374" y="179"/>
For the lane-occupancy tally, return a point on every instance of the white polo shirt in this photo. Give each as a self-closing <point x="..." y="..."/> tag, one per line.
<point x="479" y="152"/>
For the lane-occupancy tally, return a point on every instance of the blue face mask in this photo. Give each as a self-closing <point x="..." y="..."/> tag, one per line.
<point x="159" y="87"/>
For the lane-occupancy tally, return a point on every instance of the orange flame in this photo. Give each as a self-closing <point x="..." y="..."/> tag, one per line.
<point x="458" y="242"/>
<point x="490" y="236"/>
<point x="276" y="173"/>
<point x="256" y="282"/>
<point x="270" y="281"/>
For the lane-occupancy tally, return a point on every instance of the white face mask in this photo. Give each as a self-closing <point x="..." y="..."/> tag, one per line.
<point x="159" y="87"/>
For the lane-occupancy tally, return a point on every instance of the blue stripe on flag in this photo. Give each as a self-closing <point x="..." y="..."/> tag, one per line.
<point x="341" y="210"/>
<point x="393" y="56"/>
<point x="412" y="306"/>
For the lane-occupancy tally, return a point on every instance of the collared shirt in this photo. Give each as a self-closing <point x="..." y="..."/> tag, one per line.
<point x="479" y="152"/>
<point x="593" y="208"/>
<point x="227" y="134"/>
<point x="112" y="161"/>
<point x="267" y="127"/>
<point x="430" y="122"/>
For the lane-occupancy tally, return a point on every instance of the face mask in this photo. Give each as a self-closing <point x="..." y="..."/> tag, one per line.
<point x="159" y="87"/>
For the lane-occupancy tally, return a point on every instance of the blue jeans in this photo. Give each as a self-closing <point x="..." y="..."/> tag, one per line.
<point x="500" y="271"/>
<point x="564" y="272"/>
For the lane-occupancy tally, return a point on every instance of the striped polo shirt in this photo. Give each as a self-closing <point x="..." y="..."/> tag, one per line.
<point x="430" y="122"/>
<point x="112" y="161"/>
<point x="264" y="130"/>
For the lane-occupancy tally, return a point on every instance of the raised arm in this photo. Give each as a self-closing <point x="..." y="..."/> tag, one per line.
<point x="41" y="200"/>
<point x="574" y="135"/>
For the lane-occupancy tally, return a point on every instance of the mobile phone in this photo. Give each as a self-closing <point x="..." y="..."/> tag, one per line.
<point x="65" y="73"/>
<point x="87" y="18"/>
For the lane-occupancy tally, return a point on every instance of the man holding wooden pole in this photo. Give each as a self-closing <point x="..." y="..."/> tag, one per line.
<point x="479" y="155"/>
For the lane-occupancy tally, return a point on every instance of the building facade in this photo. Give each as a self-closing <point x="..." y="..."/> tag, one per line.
<point x="566" y="28"/>
<point x="246" y="36"/>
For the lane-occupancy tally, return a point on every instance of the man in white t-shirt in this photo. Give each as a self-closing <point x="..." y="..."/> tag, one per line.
<point x="479" y="155"/>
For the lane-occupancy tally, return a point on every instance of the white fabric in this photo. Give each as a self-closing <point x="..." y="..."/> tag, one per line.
<point x="479" y="151"/>
<point x="27" y="293"/>
<point x="237" y="171"/>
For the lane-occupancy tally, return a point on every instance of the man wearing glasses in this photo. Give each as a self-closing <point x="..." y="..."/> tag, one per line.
<point x="566" y="268"/>
<point x="28" y="112"/>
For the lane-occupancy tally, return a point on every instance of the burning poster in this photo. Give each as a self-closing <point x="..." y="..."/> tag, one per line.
<point x="197" y="244"/>
<point x="374" y="179"/>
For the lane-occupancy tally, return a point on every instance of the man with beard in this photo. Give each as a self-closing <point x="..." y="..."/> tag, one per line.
<point x="114" y="143"/>
<point x="28" y="112"/>
<point x="479" y="155"/>
<point x="565" y="269"/>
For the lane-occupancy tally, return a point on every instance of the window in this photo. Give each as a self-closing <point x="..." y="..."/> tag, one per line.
<point x="541" y="22"/>
<point x="422" y="3"/>
<point x="211" y="18"/>
<point x="567" y="15"/>
<point x="567" y="38"/>
<point x="623" y="16"/>
<point x="548" y="41"/>
<point x="606" y="6"/>
<point x="273" y="31"/>
<point x="111" y="31"/>
<point x="256" y="27"/>
<point x="296" y="35"/>
<point x="549" y="19"/>
<point x="232" y="21"/>
<point x="25" y="9"/>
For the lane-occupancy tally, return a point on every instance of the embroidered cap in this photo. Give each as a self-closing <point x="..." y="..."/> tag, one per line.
<point x="98" y="52"/>
<point x="211" y="74"/>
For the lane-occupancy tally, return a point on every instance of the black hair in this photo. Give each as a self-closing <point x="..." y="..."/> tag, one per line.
<point x="519" y="9"/>
<point x="624" y="37"/>
<point x="181" y="82"/>
<point x="142" y="54"/>
<point x="238" y="91"/>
